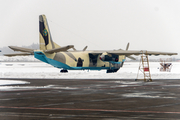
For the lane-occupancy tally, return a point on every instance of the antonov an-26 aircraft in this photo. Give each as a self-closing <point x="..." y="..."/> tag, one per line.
<point x="60" y="57"/>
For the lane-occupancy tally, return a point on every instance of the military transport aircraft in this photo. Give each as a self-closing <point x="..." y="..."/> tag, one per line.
<point x="60" y="57"/>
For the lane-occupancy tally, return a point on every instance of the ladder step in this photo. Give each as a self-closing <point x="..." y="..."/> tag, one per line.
<point x="146" y="69"/>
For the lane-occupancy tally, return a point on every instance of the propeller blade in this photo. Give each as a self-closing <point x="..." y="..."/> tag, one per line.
<point x="85" y="48"/>
<point x="127" y="47"/>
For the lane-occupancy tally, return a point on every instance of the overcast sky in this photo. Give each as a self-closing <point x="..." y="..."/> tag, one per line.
<point x="100" y="24"/>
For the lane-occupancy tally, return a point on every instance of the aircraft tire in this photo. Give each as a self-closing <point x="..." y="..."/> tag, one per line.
<point x="63" y="71"/>
<point x="112" y="70"/>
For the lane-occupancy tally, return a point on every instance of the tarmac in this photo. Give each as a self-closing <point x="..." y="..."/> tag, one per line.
<point x="86" y="99"/>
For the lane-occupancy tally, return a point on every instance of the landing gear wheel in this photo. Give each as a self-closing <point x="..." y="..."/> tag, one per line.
<point x="112" y="70"/>
<point x="63" y="71"/>
<point x="109" y="71"/>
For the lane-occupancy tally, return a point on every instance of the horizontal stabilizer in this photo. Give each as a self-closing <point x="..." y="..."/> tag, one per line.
<point x="74" y="49"/>
<point x="15" y="48"/>
<point x="59" y="49"/>
<point x="18" y="54"/>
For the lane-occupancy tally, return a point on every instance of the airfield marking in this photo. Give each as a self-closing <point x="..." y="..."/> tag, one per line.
<point x="98" y="110"/>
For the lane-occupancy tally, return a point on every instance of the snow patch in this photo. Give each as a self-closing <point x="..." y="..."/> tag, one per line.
<point x="12" y="82"/>
<point x="43" y="70"/>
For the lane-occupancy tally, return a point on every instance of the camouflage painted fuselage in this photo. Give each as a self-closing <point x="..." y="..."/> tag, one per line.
<point x="78" y="60"/>
<point x="60" y="57"/>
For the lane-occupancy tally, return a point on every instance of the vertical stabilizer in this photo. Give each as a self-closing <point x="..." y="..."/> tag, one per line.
<point x="45" y="39"/>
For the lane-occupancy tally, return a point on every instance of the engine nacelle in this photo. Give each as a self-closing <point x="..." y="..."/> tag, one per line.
<point x="109" y="57"/>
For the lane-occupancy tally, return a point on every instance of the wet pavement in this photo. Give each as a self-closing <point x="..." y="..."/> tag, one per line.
<point x="107" y="99"/>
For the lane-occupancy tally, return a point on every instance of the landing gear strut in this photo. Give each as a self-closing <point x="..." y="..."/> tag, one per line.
<point x="63" y="71"/>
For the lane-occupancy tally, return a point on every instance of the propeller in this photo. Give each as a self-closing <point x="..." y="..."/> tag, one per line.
<point x="85" y="48"/>
<point x="127" y="47"/>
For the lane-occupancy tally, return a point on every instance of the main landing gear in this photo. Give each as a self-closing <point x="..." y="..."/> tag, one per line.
<point x="117" y="66"/>
<point x="112" y="70"/>
<point x="63" y="71"/>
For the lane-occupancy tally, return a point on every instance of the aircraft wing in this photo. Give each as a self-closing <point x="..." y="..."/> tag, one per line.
<point x="15" y="48"/>
<point x="134" y="52"/>
<point x="18" y="54"/>
<point x="128" y="53"/>
<point x="59" y="49"/>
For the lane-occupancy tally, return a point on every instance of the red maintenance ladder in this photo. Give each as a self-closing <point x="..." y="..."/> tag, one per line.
<point x="144" y="68"/>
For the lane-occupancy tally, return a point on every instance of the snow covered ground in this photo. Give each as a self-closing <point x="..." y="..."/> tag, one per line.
<point x="43" y="70"/>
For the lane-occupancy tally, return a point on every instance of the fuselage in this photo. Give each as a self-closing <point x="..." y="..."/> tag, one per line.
<point x="78" y="60"/>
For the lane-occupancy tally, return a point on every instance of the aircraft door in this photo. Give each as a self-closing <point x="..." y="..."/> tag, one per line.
<point x="80" y="62"/>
